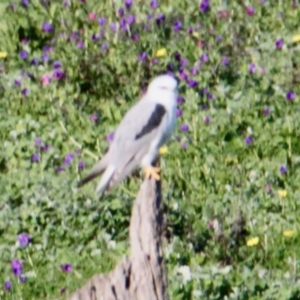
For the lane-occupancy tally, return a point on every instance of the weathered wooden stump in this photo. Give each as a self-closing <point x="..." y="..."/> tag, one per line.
<point x="142" y="276"/>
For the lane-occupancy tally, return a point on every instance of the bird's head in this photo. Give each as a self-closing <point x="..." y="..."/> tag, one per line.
<point x="163" y="84"/>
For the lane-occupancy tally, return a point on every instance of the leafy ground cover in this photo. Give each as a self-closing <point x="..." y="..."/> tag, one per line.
<point x="69" y="70"/>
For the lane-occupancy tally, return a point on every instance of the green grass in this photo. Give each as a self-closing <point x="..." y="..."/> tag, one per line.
<point x="219" y="192"/>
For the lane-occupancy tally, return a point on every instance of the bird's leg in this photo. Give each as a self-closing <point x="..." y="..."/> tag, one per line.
<point x="151" y="171"/>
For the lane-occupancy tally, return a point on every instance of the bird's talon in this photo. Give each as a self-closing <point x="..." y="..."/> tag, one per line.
<point x="152" y="172"/>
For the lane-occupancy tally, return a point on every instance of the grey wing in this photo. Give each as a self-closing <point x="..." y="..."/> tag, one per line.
<point x="142" y="124"/>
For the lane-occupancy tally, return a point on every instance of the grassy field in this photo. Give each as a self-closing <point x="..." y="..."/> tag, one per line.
<point x="69" y="70"/>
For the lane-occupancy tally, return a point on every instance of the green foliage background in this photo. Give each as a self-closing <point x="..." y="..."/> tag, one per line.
<point x="218" y="192"/>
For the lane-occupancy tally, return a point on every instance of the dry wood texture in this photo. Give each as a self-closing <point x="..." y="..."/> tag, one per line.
<point x="142" y="276"/>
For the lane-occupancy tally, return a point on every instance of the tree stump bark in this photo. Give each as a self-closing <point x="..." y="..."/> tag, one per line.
<point x="142" y="276"/>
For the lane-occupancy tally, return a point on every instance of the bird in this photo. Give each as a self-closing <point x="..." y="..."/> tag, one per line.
<point x="145" y="127"/>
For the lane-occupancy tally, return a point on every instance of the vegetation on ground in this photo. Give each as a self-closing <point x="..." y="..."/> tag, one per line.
<point x="70" y="69"/>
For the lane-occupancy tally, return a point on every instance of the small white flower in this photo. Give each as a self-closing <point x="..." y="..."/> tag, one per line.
<point x="185" y="272"/>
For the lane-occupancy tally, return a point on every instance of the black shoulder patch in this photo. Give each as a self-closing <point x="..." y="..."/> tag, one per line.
<point x="154" y="120"/>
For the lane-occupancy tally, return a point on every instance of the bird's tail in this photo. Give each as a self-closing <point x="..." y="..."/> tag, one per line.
<point x="96" y="170"/>
<point x="105" y="179"/>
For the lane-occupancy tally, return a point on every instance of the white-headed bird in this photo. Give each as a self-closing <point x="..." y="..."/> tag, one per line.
<point x="142" y="131"/>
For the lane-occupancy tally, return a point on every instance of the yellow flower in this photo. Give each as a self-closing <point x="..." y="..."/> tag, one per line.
<point x="288" y="233"/>
<point x="229" y="160"/>
<point x="121" y="101"/>
<point x="196" y="35"/>
<point x="282" y="193"/>
<point x="253" y="241"/>
<point x="3" y="54"/>
<point x="296" y="38"/>
<point x="163" y="150"/>
<point x="161" y="52"/>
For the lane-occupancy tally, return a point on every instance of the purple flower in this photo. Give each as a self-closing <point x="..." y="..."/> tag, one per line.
<point x="25" y="2"/>
<point x="121" y="12"/>
<point x="211" y="225"/>
<point x="178" y="112"/>
<point x="290" y="95"/>
<point x="219" y="38"/>
<point x="135" y="37"/>
<point x="192" y="83"/>
<point x="58" y="74"/>
<point x="225" y="61"/>
<point x="189" y="30"/>
<point x="38" y="142"/>
<point x="23" y="54"/>
<point x="252" y="68"/>
<point x="194" y="71"/>
<point x="34" y="62"/>
<point x="45" y="148"/>
<point x="16" y="267"/>
<point x="104" y="47"/>
<point x="101" y="21"/>
<point x="25" y="91"/>
<point x="57" y="64"/>
<point x="7" y="285"/>
<point x="66" y="268"/>
<point x="266" y="111"/>
<point x="184" y="145"/>
<point x="279" y="44"/>
<point x="248" y="140"/>
<point x="81" y="165"/>
<point x="183" y="76"/>
<point x="94" y="117"/>
<point x="180" y="100"/>
<point x="177" y="56"/>
<point x="45" y="57"/>
<point x="177" y="26"/>
<point x="80" y="44"/>
<point x="184" y="128"/>
<point x="59" y="169"/>
<point x="47" y="48"/>
<point x="207" y="120"/>
<point x="35" y="157"/>
<point x="184" y="62"/>
<point x="113" y="27"/>
<point x="110" y="137"/>
<point x="210" y="96"/>
<point x="283" y="169"/>
<point x="22" y="278"/>
<point x="47" y="27"/>
<point x="17" y="82"/>
<point x="128" y="3"/>
<point x="154" y="61"/>
<point x="131" y="19"/>
<point x="142" y="56"/>
<point x="23" y="239"/>
<point x="170" y="67"/>
<point x="204" y="5"/>
<point x="95" y="37"/>
<point x="160" y="18"/>
<point x="204" y="57"/>
<point x="153" y="4"/>
<point x="250" y="11"/>
<point x="68" y="158"/>
<point x="123" y="23"/>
